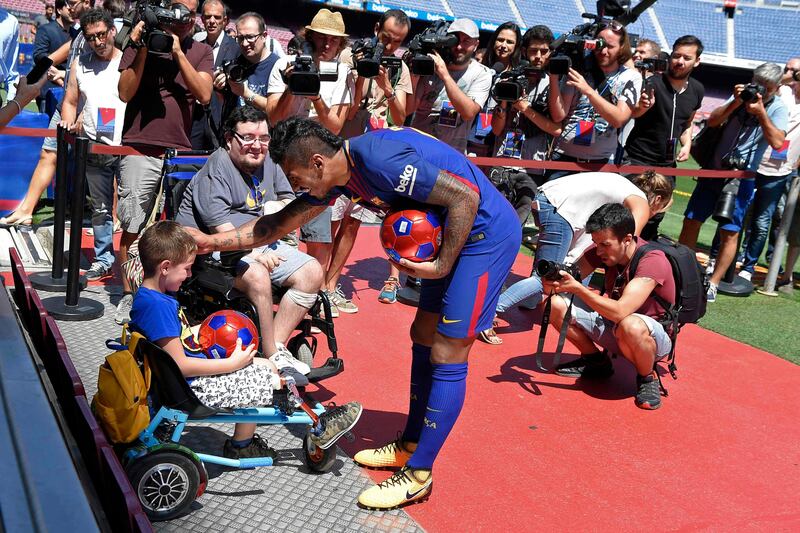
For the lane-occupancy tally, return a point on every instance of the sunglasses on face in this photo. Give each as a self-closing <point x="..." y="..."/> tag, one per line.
<point x="99" y="36"/>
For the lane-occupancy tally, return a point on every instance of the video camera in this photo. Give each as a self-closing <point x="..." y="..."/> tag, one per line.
<point x="550" y="270"/>
<point x="513" y="84"/>
<point x="156" y="14"/>
<point x="751" y="91"/>
<point x="434" y="38"/>
<point x="656" y="65"/>
<point x="571" y="49"/>
<point x="368" y="55"/>
<point x="305" y="77"/>
<point x="238" y="69"/>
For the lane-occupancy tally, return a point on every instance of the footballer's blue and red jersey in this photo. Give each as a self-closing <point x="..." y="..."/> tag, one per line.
<point x="392" y="168"/>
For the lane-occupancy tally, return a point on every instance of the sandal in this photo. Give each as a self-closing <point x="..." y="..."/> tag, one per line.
<point x="490" y="337"/>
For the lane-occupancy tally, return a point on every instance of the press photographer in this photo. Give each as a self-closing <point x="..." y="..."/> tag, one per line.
<point x="665" y="114"/>
<point x="247" y="76"/>
<point x="521" y="120"/>
<point x="160" y="90"/>
<point x="324" y="38"/>
<point x="749" y="122"/>
<point x="447" y="102"/>
<point x="382" y="80"/>
<point x="597" y="102"/>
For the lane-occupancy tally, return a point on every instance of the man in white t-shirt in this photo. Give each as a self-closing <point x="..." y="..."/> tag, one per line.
<point x="330" y="107"/>
<point x="774" y="173"/>
<point x="596" y="103"/>
<point x="93" y="81"/>
<point x="447" y="102"/>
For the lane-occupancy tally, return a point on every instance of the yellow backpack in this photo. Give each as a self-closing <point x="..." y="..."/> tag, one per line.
<point x="120" y="404"/>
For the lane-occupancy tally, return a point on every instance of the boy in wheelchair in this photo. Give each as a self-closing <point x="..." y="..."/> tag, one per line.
<point x="167" y="253"/>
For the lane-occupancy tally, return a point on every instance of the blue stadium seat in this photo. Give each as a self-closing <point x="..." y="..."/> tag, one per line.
<point x="762" y="34"/>
<point x="680" y="17"/>
<point x="558" y="16"/>
<point x="432" y="6"/>
<point x="499" y="12"/>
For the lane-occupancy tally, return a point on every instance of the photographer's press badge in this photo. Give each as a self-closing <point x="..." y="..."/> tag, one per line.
<point x="584" y="133"/>
<point x="106" y="123"/>
<point x="448" y="116"/>
<point x="782" y="154"/>
<point x="512" y="144"/>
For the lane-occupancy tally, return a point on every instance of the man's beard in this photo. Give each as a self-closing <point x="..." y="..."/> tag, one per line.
<point x="671" y="74"/>
<point x="462" y="61"/>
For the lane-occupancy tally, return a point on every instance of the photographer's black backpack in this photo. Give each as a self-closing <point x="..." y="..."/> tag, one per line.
<point x="690" y="289"/>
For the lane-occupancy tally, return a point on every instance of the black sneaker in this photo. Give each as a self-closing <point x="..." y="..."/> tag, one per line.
<point x="648" y="393"/>
<point x="335" y="423"/>
<point x="257" y="448"/>
<point x="97" y="271"/>
<point x="591" y="366"/>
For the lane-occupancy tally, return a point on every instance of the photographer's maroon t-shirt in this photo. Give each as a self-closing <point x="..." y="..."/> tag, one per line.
<point x="160" y="113"/>
<point x="654" y="265"/>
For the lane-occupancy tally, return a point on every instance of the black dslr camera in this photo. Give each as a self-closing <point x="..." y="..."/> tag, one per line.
<point x="751" y="91"/>
<point x="156" y="14"/>
<point x="238" y="69"/>
<point x="305" y="77"/>
<point x="434" y="38"/>
<point x="550" y="270"/>
<point x="368" y="55"/>
<point x="513" y="84"/>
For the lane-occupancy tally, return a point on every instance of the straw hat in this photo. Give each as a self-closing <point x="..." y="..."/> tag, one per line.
<point x="328" y="23"/>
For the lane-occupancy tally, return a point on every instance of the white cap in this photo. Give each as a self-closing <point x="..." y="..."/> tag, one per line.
<point x="465" y="26"/>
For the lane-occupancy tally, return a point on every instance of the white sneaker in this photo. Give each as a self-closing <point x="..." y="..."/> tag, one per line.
<point x="123" y="312"/>
<point x="711" y="295"/>
<point x="710" y="266"/>
<point x="283" y="358"/>
<point x="744" y="274"/>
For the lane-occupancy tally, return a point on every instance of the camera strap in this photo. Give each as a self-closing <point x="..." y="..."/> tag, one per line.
<point x="562" y="333"/>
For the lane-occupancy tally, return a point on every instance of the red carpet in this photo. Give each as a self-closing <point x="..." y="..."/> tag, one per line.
<point x="534" y="451"/>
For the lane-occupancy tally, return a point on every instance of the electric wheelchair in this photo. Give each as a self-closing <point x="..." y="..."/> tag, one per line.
<point x="210" y="288"/>
<point x="166" y="475"/>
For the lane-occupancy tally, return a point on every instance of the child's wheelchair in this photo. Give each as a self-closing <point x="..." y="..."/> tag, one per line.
<point x="168" y="476"/>
<point x="210" y="289"/>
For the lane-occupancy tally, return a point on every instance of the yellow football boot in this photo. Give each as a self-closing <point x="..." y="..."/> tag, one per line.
<point x="406" y="486"/>
<point x="392" y="455"/>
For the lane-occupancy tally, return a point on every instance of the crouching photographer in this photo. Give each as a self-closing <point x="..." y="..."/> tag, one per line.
<point x="448" y="101"/>
<point x="741" y="130"/>
<point x="625" y="320"/>
<point x="311" y="84"/>
<point x="521" y="120"/>
<point x="561" y="210"/>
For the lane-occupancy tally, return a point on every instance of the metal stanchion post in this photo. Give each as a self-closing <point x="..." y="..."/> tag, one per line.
<point x="72" y="307"/>
<point x="780" y="242"/>
<point x="55" y="281"/>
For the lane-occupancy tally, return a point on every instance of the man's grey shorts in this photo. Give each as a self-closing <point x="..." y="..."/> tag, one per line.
<point x="318" y="229"/>
<point x="50" y="143"/>
<point x="294" y="260"/>
<point x="139" y="178"/>
<point x="601" y="330"/>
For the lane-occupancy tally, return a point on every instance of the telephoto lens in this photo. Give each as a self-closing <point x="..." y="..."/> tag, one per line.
<point x="726" y="203"/>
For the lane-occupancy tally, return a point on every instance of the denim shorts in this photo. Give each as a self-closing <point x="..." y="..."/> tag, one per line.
<point x="601" y="330"/>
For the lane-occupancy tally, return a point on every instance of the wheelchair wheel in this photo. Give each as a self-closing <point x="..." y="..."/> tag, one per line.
<point x="302" y="349"/>
<point x="166" y="484"/>
<point x="317" y="459"/>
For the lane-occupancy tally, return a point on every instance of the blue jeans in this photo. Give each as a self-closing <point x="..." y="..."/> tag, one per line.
<point x="768" y="193"/>
<point x="100" y="172"/>
<point x="555" y="240"/>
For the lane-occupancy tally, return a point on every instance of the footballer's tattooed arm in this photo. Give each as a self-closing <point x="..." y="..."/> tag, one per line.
<point x="461" y="202"/>
<point x="263" y="230"/>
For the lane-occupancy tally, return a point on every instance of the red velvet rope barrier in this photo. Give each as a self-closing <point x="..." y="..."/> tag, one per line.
<point x="482" y="161"/>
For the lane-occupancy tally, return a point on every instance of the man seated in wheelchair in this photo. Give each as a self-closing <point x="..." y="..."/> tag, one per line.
<point x="236" y="185"/>
<point x="167" y="253"/>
